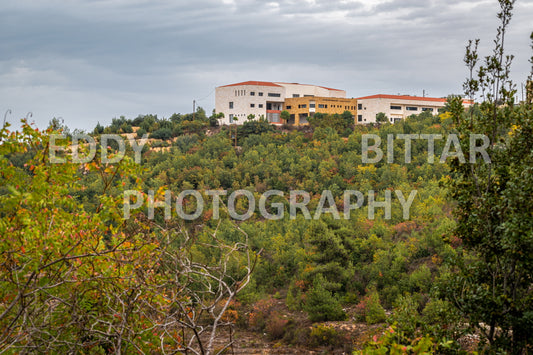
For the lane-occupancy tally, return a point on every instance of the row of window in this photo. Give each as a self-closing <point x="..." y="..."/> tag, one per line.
<point x="288" y="107"/>
<point x="298" y="95"/>
<point x="411" y="108"/>
<point x="231" y="105"/>
<point x="252" y="93"/>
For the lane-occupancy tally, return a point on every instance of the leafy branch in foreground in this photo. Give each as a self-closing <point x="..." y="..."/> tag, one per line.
<point x="79" y="282"/>
<point x="493" y="283"/>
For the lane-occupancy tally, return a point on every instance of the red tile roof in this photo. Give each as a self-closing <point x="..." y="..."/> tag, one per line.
<point x="258" y="83"/>
<point x="323" y="87"/>
<point x="407" y="97"/>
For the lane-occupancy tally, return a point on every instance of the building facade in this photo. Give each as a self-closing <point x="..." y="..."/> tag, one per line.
<point x="261" y="98"/>
<point x="397" y="107"/>
<point x="268" y="99"/>
<point x="301" y="108"/>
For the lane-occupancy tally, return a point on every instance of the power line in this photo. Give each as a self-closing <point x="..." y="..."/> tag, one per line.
<point x="207" y="95"/>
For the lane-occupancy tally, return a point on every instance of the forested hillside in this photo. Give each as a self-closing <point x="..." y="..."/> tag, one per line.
<point x="447" y="268"/>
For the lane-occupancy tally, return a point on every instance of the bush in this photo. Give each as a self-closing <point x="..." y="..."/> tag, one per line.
<point x="322" y="335"/>
<point x="295" y="334"/>
<point x="406" y="315"/>
<point x="257" y="318"/>
<point x="295" y="297"/>
<point x="126" y="128"/>
<point x="395" y="342"/>
<point x="420" y="279"/>
<point x="159" y="144"/>
<point x="141" y="132"/>
<point x="275" y="326"/>
<point x="374" y="312"/>
<point x="321" y="305"/>
<point x="163" y="133"/>
<point x="442" y="320"/>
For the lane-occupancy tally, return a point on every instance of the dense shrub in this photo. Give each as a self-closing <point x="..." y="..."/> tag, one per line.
<point x="406" y="315"/>
<point x="258" y="317"/>
<point x="321" y="305"/>
<point x="322" y="335"/>
<point x="163" y="133"/>
<point x="141" y="132"/>
<point x="275" y="326"/>
<point x="373" y="311"/>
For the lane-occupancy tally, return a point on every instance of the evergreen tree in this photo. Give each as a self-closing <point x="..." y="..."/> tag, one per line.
<point x="321" y="305"/>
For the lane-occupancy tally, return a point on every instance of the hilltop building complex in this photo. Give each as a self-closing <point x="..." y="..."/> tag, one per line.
<point x="268" y="99"/>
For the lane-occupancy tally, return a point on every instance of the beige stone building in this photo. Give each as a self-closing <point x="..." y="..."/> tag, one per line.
<point x="269" y="99"/>
<point x="397" y="107"/>
<point x="263" y="98"/>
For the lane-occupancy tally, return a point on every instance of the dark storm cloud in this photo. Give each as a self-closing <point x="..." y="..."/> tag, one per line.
<point x="89" y="61"/>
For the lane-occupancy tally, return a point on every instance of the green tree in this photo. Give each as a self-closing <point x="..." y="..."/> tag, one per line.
<point x="382" y="118"/>
<point x="320" y="303"/>
<point x="374" y="311"/>
<point x="493" y="286"/>
<point x="285" y="116"/>
<point x="99" y="129"/>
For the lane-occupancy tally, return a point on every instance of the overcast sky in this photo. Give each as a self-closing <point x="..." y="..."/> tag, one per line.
<point x="91" y="60"/>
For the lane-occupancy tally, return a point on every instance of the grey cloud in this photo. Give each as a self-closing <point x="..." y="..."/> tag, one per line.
<point x="93" y="60"/>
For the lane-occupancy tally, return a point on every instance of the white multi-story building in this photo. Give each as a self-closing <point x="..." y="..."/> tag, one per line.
<point x="397" y="107"/>
<point x="263" y="98"/>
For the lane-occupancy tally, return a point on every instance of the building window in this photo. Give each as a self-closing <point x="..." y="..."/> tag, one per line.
<point x="295" y="95"/>
<point x="260" y="105"/>
<point x="252" y="93"/>
<point x="231" y="104"/>
<point x="359" y="118"/>
<point x="311" y="105"/>
<point x="273" y="94"/>
<point x="230" y="118"/>
<point x="359" y="106"/>
<point x="427" y="109"/>
<point x="252" y="105"/>
<point x="302" y="106"/>
<point x="260" y="94"/>
<point x="411" y="108"/>
<point x="288" y="107"/>
<point x="309" y="95"/>
<point x="395" y="107"/>
<point x="320" y="105"/>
